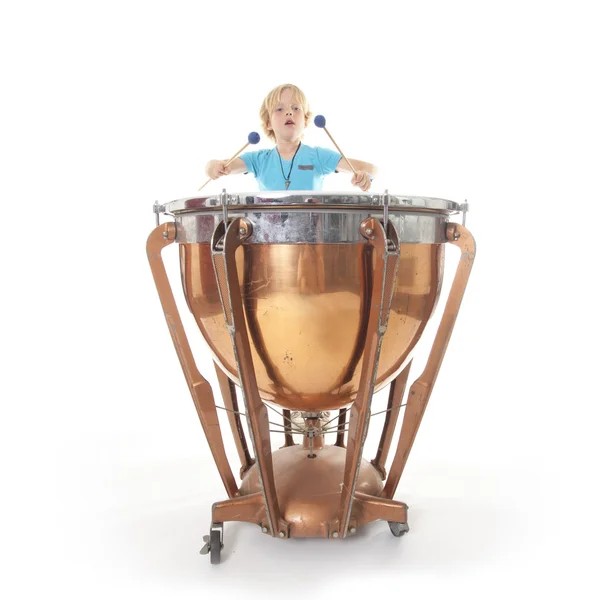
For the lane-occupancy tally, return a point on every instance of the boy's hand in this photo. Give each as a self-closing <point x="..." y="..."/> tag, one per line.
<point x="216" y="168"/>
<point x="361" y="179"/>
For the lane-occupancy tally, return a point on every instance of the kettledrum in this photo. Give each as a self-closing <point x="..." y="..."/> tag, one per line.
<point x="310" y="303"/>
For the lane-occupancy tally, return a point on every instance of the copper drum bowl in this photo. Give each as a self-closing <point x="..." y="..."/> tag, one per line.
<point x="305" y="275"/>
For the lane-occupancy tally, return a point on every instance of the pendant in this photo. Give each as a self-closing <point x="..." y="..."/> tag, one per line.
<point x="287" y="184"/>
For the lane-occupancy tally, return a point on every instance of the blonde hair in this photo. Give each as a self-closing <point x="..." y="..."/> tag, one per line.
<point x="272" y="99"/>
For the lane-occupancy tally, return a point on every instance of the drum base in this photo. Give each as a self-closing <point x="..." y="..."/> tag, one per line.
<point x="309" y="489"/>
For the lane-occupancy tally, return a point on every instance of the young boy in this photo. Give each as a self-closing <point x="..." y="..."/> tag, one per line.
<point x="291" y="164"/>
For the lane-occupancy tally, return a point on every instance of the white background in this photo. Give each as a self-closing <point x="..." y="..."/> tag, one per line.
<point x="109" y="106"/>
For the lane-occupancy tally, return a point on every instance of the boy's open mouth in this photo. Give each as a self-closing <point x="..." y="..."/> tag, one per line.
<point x="290" y="122"/>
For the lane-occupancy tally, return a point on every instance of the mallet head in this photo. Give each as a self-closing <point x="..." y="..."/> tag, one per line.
<point x="320" y="121"/>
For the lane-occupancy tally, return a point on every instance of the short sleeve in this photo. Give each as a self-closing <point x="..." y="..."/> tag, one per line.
<point x="254" y="161"/>
<point x="328" y="159"/>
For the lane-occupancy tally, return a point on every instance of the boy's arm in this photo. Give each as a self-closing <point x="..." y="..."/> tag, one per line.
<point x="216" y="168"/>
<point x="237" y="165"/>
<point x="358" y="165"/>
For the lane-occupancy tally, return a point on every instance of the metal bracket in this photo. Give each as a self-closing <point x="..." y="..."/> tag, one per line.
<point x="386" y="209"/>
<point x="391" y="246"/>
<point x="157" y="209"/>
<point x="224" y="206"/>
<point x="206" y="539"/>
<point x="206" y="548"/>
<point x="465" y="209"/>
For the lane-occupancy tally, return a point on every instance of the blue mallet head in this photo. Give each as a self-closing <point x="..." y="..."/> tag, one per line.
<point x="320" y="121"/>
<point x="253" y="137"/>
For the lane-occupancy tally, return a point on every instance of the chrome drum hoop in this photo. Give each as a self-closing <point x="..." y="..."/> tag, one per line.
<point x="312" y="218"/>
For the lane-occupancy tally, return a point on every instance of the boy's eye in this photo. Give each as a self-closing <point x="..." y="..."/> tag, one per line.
<point x="278" y="109"/>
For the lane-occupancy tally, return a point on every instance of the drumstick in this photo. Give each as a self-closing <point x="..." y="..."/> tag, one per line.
<point x="320" y="122"/>
<point x="253" y="138"/>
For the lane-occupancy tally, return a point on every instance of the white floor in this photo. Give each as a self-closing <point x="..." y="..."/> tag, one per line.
<point x="123" y="514"/>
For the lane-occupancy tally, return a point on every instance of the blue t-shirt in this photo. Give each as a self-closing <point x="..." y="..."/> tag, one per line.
<point x="309" y="169"/>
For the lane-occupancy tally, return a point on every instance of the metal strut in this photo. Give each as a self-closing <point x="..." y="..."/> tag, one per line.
<point x="227" y="238"/>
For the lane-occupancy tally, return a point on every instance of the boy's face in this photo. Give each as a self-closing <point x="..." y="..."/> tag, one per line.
<point x="287" y="119"/>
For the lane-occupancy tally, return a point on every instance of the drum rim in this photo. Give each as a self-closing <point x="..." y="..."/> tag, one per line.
<point x="305" y="199"/>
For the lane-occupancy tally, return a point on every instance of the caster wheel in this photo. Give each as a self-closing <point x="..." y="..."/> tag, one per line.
<point x="398" y="529"/>
<point x="213" y="543"/>
<point x="215" y="546"/>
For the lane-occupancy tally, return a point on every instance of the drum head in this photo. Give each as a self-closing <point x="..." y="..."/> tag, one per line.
<point x="318" y="200"/>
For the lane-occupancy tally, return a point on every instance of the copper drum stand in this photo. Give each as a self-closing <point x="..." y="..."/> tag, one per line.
<point x="310" y="302"/>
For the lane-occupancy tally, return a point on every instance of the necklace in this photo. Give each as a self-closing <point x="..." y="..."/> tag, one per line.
<point x="287" y="179"/>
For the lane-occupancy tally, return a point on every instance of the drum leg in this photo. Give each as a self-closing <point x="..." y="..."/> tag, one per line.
<point x="385" y="258"/>
<point x="226" y="239"/>
<point x="230" y="400"/>
<point x="420" y="391"/>
<point x="397" y="388"/>
<point x="249" y="509"/>
<point x="372" y="508"/>
<point x="200" y="388"/>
